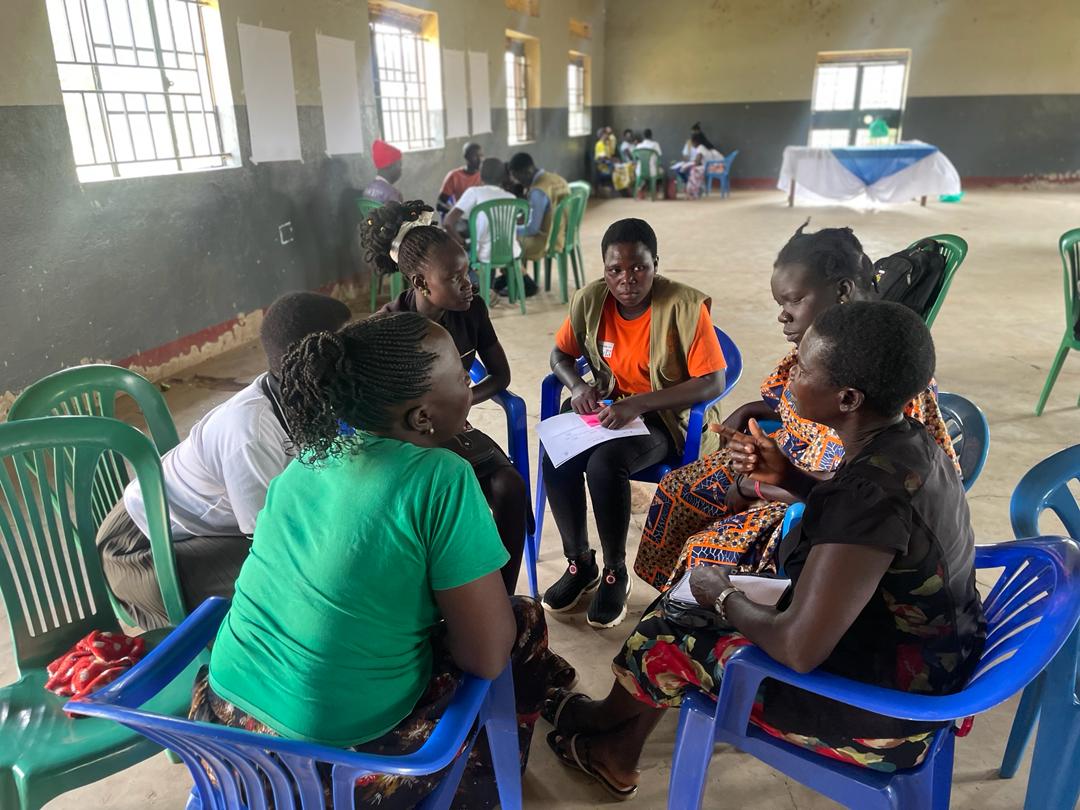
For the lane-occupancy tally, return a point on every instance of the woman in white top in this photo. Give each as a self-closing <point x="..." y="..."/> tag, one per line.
<point x="704" y="153"/>
<point x="215" y="480"/>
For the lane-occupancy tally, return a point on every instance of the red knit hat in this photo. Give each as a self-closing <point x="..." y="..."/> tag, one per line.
<point x="383" y="154"/>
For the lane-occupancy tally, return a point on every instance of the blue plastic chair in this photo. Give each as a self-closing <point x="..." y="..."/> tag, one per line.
<point x="517" y="432"/>
<point x="1030" y="612"/>
<point x="247" y="766"/>
<point x="550" y="394"/>
<point x="723" y="176"/>
<point x="970" y="434"/>
<point x="1052" y="699"/>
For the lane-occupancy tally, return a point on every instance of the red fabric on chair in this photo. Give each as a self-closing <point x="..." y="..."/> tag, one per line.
<point x="94" y="661"/>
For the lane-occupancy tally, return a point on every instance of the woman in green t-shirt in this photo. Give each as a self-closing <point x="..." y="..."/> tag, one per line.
<point x="374" y="561"/>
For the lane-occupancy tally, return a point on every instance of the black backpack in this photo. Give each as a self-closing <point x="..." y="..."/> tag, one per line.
<point x="912" y="277"/>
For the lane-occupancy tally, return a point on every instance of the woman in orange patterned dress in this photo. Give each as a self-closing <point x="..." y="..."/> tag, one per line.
<point x="705" y="512"/>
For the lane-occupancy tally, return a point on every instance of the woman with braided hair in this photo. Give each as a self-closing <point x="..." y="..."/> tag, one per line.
<point x="397" y="237"/>
<point x="374" y="561"/>
<point x="705" y="512"/>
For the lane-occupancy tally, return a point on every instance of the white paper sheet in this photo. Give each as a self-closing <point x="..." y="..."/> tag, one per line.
<point x="479" y="92"/>
<point x="763" y="590"/>
<point x="269" y="93"/>
<point x="340" y="95"/>
<point x="566" y="435"/>
<point x="455" y="94"/>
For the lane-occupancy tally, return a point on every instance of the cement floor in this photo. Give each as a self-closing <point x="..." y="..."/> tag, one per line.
<point x="996" y="336"/>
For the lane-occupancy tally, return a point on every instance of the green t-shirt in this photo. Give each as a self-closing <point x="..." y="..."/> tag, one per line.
<point x="329" y="635"/>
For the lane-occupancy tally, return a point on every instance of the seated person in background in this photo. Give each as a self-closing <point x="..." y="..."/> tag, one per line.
<point x="374" y="564"/>
<point x="604" y="155"/>
<point x="544" y="191"/>
<point x="682" y="167"/>
<point x="460" y="179"/>
<point x="215" y="479"/>
<point x="626" y="146"/>
<point x="494" y="177"/>
<point x="436" y="272"/>
<point x="704" y="152"/>
<point x="647" y="142"/>
<point x="653" y="352"/>
<point x="882" y="571"/>
<point x="705" y="512"/>
<point x="387" y="160"/>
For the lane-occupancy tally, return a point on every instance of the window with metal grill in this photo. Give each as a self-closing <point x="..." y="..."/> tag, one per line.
<point x="517" y="92"/>
<point x="144" y="86"/>
<point x="408" y="87"/>
<point x="577" y="93"/>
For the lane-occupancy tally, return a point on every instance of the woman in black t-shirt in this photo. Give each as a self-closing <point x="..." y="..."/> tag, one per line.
<point x="398" y="237"/>
<point x="882" y="569"/>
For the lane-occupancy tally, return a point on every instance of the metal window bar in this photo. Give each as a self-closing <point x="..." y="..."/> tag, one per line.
<point x="517" y="99"/>
<point x="575" y="81"/>
<point x="135" y="79"/>
<point x="401" y="84"/>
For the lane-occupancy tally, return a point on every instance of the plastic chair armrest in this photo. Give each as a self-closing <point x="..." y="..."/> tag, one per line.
<point x="694" y="429"/>
<point x="750" y="665"/>
<point x="165" y="661"/>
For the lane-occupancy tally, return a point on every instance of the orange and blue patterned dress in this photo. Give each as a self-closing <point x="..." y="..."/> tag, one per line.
<point x="688" y="520"/>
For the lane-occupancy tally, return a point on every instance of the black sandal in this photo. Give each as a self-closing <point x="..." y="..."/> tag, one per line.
<point x="556" y="701"/>
<point x="581" y="761"/>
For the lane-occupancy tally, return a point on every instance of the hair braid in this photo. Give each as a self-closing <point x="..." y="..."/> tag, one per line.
<point x="834" y="254"/>
<point x="357" y="375"/>
<point x="378" y="231"/>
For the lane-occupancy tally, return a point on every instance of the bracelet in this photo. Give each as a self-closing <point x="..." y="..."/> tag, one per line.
<point x="757" y="490"/>
<point x="718" y="605"/>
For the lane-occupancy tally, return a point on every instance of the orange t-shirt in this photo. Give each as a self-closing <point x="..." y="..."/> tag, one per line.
<point x="625" y="347"/>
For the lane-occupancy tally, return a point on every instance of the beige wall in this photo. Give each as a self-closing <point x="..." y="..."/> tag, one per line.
<point x="690" y="51"/>
<point x="29" y="72"/>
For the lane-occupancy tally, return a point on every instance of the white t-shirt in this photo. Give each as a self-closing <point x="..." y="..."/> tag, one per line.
<point x="470" y="199"/>
<point x="707" y="154"/>
<point x="216" y="479"/>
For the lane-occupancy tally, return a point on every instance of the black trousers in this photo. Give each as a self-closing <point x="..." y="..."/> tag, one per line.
<point x="607" y="469"/>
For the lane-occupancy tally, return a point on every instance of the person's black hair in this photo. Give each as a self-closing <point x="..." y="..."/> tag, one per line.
<point x="355" y="376"/>
<point x="629" y="230"/>
<point x="469" y="147"/>
<point x="878" y="347"/>
<point x="648" y="133"/>
<point x="832" y="254"/>
<point x="695" y="127"/>
<point x="520" y="162"/>
<point x="492" y="172"/>
<point x="378" y="231"/>
<point x="626" y="132"/>
<point x="699" y="139"/>
<point x="294" y="316"/>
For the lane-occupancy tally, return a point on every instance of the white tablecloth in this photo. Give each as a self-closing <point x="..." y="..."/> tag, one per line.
<point x="819" y="176"/>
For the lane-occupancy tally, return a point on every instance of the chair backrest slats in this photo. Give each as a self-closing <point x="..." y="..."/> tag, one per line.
<point x="501" y="217"/>
<point x="1069" y="247"/>
<point x="969" y="432"/>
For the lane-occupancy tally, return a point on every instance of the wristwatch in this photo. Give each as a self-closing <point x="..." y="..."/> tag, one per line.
<point x="718" y="605"/>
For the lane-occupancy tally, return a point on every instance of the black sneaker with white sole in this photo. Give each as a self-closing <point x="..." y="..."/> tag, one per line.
<point x="581" y="577"/>
<point x="608" y="607"/>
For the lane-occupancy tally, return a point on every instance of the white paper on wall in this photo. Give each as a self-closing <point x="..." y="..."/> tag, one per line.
<point x="269" y="93"/>
<point x="340" y="95"/>
<point x="455" y="94"/>
<point x="480" y="92"/>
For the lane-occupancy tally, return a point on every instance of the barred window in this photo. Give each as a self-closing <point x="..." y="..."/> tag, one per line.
<point x="144" y="85"/>
<point x="577" y="94"/>
<point x="408" y="88"/>
<point x="517" y="92"/>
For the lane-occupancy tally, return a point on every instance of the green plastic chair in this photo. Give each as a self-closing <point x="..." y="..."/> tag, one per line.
<point x="954" y="249"/>
<point x="583" y="190"/>
<point x="567" y="217"/>
<point x="1069" y="246"/>
<point x="55" y="593"/>
<point x="91" y="390"/>
<point x="502" y="217"/>
<point x="397" y="283"/>
<point x="643" y="159"/>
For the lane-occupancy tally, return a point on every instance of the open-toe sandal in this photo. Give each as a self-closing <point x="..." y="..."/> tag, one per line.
<point x="579" y="759"/>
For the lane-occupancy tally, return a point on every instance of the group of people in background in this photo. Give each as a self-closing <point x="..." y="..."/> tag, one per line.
<point x="481" y="180"/>
<point x="371" y="538"/>
<point x="618" y="165"/>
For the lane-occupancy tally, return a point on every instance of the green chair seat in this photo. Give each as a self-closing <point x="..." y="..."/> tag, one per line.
<point x="44" y="753"/>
